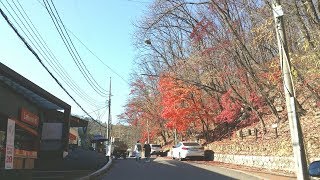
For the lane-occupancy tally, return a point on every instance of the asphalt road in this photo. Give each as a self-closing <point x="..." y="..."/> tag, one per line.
<point x="166" y="169"/>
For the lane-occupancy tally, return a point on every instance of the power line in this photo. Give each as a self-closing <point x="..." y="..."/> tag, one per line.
<point x="72" y="50"/>
<point x="138" y="1"/>
<point x="41" y="62"/>
<point x="85" y="67"/>
<point x="58" y="66"/>
<point x="99" y="58"/>
<point x="69" y="48"/>
<point x="42" y="52"/>
<point x="99" y="109"/>
<point x="112" y="70"/>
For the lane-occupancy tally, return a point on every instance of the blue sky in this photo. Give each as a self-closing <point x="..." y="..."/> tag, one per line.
<point x="104" y="26"/>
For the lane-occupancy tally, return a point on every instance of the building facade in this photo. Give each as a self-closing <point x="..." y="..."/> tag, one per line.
<point x="34" y="124"/>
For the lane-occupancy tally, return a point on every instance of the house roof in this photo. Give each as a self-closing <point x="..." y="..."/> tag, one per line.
<point x="30" y="91"/>
<point x="78" y="122"/>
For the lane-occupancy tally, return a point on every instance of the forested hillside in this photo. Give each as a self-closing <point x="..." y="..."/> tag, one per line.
<point x="207" y="69"/>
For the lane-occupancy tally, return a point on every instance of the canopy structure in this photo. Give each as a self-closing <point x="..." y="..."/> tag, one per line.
<point x="98" y="138"/>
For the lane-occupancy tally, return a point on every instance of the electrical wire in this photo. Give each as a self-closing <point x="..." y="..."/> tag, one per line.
<point x="85" y="67"/>
<point x="112" y="70"/>
<point x="137" y="1"/>
<point x="75" y="87"/>
<point x="41" y="62"/>
<point x="44" y="51"/>
<point x="98" y="109"/>
<point x="73" y="53"/>
<point x="99" y="58"/>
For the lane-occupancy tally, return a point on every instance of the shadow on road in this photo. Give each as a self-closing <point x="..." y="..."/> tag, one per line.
<point x="78" y="163"/>
<point x="163" y="168"/>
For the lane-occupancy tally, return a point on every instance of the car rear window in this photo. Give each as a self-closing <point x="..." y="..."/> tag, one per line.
<point x="155" y="145"/>
<point x="191" y="144"/>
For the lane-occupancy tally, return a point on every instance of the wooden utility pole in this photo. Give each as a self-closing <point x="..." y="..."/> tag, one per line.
<point x="109" y="114"/>
<point x="294" y="122"/>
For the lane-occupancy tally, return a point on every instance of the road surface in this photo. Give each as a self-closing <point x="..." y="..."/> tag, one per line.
<point x="166" y="169"/>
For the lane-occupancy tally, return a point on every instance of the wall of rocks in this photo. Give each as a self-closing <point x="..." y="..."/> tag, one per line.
<point x="267" y="162"/>
<point x="267" y="150"/>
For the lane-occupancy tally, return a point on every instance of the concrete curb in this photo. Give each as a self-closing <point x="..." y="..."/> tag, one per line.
<point x="99" y="172"/>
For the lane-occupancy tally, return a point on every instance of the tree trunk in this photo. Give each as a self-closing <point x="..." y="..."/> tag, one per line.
<point x="310" y="9"/>
<point x="163" y="135"/>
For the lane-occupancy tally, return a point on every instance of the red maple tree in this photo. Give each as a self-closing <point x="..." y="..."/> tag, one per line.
<point x="183" y="105"/>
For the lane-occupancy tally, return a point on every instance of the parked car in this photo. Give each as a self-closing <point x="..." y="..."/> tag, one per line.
<point x="156" y="149"/>
<point x="132" y="154"/>
<point x="185" y="150"/>
<point x="314" y="169"/>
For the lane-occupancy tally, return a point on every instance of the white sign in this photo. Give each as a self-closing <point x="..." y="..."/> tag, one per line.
<point x="277" y="11"/>
<point x="10" y="144"/>
<point x="9" y="157"/>
<point x="52" y="131"/>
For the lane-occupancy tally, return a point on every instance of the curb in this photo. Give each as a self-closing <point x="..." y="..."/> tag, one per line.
<point x="99" y="172"/>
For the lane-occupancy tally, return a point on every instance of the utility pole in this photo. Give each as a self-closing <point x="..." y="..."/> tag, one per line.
<point x="175" y="135"/>
<point x="109" y="114"/>
<point x="148" y="131"/>
<point x="294" y="122"/>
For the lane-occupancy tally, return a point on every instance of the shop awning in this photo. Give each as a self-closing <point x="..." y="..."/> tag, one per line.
<point x="98" y="138"/>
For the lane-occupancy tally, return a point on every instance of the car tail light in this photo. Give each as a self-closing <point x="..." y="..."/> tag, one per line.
<point x="184" y="148"/>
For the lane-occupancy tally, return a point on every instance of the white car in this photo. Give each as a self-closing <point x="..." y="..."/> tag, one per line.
<point x="155" y="149"/>
<point x="185" y="150"/>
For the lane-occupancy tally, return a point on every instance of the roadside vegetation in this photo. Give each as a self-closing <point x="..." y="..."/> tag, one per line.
<point x="208" y="69"/>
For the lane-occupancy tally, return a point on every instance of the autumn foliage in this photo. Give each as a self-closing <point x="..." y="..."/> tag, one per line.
<point x="177" y="101"/>
<point x="216" y="64"/>
<point x="231" y="109"/>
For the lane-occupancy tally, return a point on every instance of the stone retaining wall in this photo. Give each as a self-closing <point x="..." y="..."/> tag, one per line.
<point x="267" y="162"/>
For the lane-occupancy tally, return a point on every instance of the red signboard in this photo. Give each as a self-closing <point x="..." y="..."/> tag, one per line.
<point x="29" y="118"/>
<point x="72" y="137"/>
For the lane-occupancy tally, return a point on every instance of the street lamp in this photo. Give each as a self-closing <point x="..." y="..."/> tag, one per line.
<point x="148" y="41"/>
